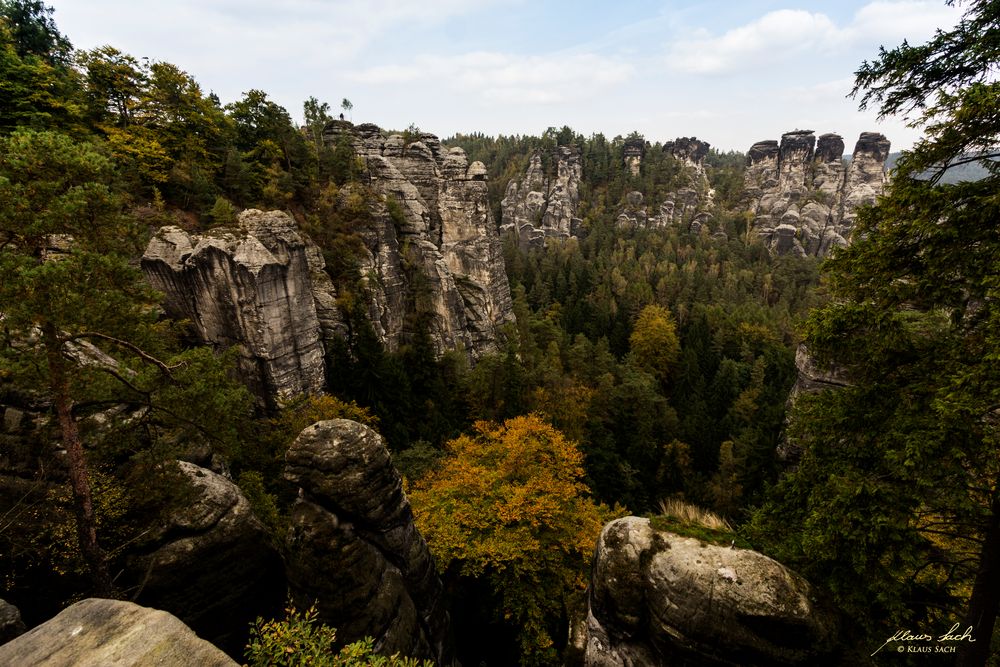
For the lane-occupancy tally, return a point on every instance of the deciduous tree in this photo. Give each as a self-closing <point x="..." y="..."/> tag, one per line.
<point x="508" y="503"/>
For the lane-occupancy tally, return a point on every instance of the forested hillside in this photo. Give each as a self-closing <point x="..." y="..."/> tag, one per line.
<point x="507" y="342"/>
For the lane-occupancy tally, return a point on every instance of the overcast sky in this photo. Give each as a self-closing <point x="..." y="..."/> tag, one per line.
<point x="730" y="73"/>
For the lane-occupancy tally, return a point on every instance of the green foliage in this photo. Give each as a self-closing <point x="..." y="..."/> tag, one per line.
<point x="894" y="505"/>
<point x="300" y="640"/>
<point x="79" y="325"/>
<point x="654" y="344"/>
<point x="33" y="32"/>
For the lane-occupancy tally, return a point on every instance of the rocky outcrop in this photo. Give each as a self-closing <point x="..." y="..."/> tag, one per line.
<point x="811" y="378"/>
<point x="802" y="197"/>
<point x="210" y="563"/>
<point x="542" y="205"/>
<point x="353" y="547"/>
<point x="432" y="248"/>
<point x="632" y="152"/>
<point x="657" y="598"/>
<point x="10" y="622"/>
<point x="98" y="633"/>
<point x="688" y="204"/>
<point x="250" y="285"/>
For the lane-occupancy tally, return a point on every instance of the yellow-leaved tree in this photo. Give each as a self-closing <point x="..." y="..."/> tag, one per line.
<point x="508" y="504"/>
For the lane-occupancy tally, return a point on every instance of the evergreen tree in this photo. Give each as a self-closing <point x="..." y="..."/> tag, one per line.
<point x="899" y="486"/>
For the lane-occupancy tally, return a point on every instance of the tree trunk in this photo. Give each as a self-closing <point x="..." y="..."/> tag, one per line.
<point x="985" y="597"/>
<point x="83" y="504"/>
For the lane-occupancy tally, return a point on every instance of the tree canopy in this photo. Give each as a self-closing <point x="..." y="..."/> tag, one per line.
<point x="508" y="503"/>
<point x="899" y="485"/>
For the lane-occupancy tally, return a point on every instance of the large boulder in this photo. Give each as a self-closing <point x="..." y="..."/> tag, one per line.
<point x="210" y="563"/>
<point x="659" y="598"/>
<point x="10" y="622"/>
<point x="353" y="548"/>
<point x="99" y="633"/>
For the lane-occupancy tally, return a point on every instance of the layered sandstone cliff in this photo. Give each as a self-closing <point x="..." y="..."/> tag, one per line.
<point x="539" y="207"/>
<point x="432" y="245"/>
<point x="250" y="285"/>
<point x="688" y="204"/>
<point x="802" y="196"/>
<point x="432" y="257"/>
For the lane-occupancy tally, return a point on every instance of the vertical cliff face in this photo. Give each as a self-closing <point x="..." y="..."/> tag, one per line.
<point x="433" y="246"/>
<point x="802" y="198"/>
<point x="537" y="207"/>
<point x="250" y="285"/>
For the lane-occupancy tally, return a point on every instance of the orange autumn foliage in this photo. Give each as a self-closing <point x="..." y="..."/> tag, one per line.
<point x="509" y="503"/>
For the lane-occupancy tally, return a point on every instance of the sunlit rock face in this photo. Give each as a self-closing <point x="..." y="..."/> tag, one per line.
<point x="538" y="206"/>
<point x="432" y="243"/>
<point x="658" y="598"/>
<point x="803" y="198"/>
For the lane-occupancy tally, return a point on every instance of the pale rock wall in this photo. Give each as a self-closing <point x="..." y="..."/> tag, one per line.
<point x="537" y="208"/>
<point x="802" y="198"/>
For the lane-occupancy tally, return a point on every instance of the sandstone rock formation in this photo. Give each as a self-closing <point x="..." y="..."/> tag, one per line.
<point x="210" y="563"/>
<point x="98" y="633"/>
<point x="432" y="245"/>
<point x="657" y="598"/>
<point x="633" y="152"/>
<point x="802" y="197"/>
<point x="249" y="285"/>
<point x="10" y="622"/>
<point x="540" y="206"/>
<point x="687" y="205"/>
<point x="353" y="547"/>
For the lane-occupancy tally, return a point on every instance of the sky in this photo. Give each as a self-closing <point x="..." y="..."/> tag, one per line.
<point x="728" y="72"/>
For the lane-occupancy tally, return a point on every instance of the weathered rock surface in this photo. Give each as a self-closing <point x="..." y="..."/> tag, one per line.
<point x="540" y="206"/>
<point x="210" y="563"/>
<point x="803" y="199"/>
<point x="688" y="205"/>
<point x="435" y="249"/>
<point x="10" y="622"/>
<point x="250" y="285"/>
<point x="353" y="547"/>
<point x="633" y="151"/>
<point x="99" y="633"/>
<point x="657" y="598"/>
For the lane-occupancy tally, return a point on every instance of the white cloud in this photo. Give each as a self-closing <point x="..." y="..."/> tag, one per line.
<point x="502" y="77"/>
<point x="780" y="36"/>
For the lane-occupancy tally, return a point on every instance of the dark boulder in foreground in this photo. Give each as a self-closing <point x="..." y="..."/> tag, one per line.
<point x="354" y="549"/>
